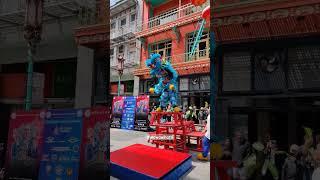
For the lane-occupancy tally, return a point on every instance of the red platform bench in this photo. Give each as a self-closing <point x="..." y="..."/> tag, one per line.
<point x="196" y="135"/>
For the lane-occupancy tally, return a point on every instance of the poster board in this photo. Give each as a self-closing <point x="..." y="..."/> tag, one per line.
<point x="117" y="110"/>
<point x="128" y="114"/>
<point x="61" y="147"/>
<point x="142" y="113"/>
<point x="24" y="144"/>
<point x="95" y="147"/>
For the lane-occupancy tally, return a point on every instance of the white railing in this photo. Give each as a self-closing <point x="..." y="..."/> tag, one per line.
<point x="129" y="60"/>
<point x="198" y="55"/>
<point x="132" y="59"/>
<point x="186" y="57"/>
<point x="123" y="30"/>
<point x="172" y="15"/>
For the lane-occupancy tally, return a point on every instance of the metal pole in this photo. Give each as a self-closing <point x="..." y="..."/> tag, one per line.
<point x="29" y="78"/>
<point x="213" y="101"/>
<point x="196" y="41"/>
<point x="119" y="84"/>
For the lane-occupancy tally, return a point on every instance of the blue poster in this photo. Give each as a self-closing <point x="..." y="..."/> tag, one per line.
<point x="61" y="147"/>
<point x="128" y="114"/>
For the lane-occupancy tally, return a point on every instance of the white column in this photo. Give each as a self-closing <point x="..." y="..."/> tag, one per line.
<point x="84" y="80"/>
<point x="136" y="86"/>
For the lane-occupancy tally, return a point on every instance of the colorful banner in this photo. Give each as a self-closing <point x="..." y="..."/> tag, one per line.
<point x="61" y="148"/>
<point x="95" y="147"/>
<point x="117" y="110"/>
<point x="24" y="144"/>
<point x="142" y="112"/>
<point x="128" y="114"/>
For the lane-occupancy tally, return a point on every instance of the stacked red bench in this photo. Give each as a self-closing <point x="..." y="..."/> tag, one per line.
<point x="183" y="132"/>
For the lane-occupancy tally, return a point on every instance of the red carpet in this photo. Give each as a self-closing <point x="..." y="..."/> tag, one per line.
<point x="148" y="160"/>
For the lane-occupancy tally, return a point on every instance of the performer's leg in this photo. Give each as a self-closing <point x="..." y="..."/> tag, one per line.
<point x="173" y="101"/>
<point x="205" y="149"/>
<point x="163" y="101"/>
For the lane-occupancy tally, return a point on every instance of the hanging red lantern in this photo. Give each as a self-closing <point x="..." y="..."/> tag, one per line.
<point x="206" y="13"/>
<point x="198" y="2"/>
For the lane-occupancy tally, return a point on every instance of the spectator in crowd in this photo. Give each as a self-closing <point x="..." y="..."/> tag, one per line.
<point x="195" y="116"/>
<point x="251" y="167"/>
<point x="240" y="151"/>
<point x="227" y="150"/>
<point x="169" y="109"/>
<point x="201" y="116"/>
<point x="185" y="109"/>
<point x="307" y="152"/>
<point x="290" y="170"/>
<point x="316" y="157"/>
<point x="269" y="169"/>
<point x="263" y="161"/>
<point x="189" y="114"/>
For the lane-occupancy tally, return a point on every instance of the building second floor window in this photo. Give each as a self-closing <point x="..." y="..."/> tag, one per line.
<point x="112" y="57"/>
<point x="131" y="56"/>
<point x="121" y="49"/>
<point x="132" y="17"/>
<point x="202" y="50"/>
<point x="113" y="26"/>
<point x="163" y="48"/>
<point x="123" y="22"/>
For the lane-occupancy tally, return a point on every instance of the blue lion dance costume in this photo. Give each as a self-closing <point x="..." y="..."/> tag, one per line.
<point x="167" y="84"/>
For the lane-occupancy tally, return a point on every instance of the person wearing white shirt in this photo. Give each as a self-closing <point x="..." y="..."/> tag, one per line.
<point x="205" y="142"/>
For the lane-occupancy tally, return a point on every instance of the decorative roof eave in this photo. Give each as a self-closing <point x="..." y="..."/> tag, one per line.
<point x="271" y="24"/>
<point x="257" y="6"/>
<point x="184" y="68"/>
<point x="92" y="35"/>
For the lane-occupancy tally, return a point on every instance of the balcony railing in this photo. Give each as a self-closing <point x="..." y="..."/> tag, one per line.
<point x="186" y="57"/>
<point x="129" y="61"/>
<point x="198" y="55"/>
<point x="123" y="30"/>
<point x="235" y="3"/>
<point x="172" y="15"/>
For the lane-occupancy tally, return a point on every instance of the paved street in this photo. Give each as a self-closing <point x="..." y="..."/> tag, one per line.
<point x="123" y="138"/>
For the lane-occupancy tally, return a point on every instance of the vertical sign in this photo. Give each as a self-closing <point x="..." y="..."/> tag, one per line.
<point x="128" y="114"/>
<point x="142" y="112"/>
<point x="95" y="153"/>
<point x="117" y="108"/>
<point x="61" y="149"/>
<point x="24" y="144"/>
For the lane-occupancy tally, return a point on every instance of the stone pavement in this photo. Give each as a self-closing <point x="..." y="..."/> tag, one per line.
<point x="122" y="138"/>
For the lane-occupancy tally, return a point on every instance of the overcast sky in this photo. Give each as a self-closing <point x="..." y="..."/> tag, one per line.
<point x="112" y="2"/>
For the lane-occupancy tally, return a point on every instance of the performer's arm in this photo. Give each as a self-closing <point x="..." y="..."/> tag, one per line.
<point x="154" y="80"/>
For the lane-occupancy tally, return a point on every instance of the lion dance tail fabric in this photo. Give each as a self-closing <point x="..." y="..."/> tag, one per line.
<point x="167" y="80"/>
